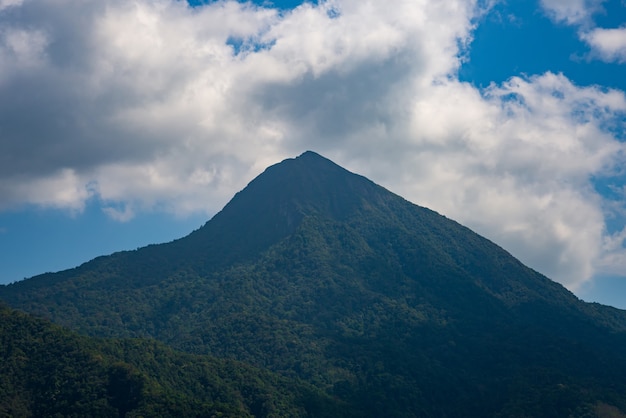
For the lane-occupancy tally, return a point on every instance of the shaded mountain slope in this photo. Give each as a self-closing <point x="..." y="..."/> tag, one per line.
<point x="317" y="273"/>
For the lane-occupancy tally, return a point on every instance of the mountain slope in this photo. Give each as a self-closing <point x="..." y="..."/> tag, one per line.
<point x="317" y="273"/>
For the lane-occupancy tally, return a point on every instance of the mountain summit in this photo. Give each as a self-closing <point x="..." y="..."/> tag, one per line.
<point x="321" y="275"/>
<point x="273" y="204"/>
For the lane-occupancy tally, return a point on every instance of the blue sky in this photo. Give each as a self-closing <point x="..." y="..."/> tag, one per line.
<point x="124" y="124"/>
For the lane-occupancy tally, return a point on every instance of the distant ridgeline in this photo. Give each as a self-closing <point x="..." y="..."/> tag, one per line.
<point x="314" y="292"/>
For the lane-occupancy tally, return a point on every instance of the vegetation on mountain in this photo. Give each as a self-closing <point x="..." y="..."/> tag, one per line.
<point x="384" y="307"/>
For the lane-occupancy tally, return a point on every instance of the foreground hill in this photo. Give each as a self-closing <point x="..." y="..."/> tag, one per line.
<point x="319" y="274"/>
<point x="49" y="371"/>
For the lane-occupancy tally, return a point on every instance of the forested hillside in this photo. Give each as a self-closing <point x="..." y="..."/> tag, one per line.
<point x="48" y="371"/>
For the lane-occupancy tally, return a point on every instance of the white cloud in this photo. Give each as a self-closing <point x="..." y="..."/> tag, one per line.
<point x="63" y="189"/>
<point x="608" y="44"/>
<point x="514" y="164"/>
<point x="123" y="214"/>
<point x="571" y="12"/>
<point x="148" y="105"/>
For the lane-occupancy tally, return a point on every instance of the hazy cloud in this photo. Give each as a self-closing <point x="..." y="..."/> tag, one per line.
<point x="154" y="105"/>
<point x="4" y="4"/>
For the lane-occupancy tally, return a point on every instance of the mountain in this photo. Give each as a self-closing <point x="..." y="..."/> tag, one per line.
<point x="320" y="275"/>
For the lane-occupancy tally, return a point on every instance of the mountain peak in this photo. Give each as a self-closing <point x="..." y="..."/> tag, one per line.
<point x="311" y="154"/>
<point x="273" y="204"/>
<point x="308" y="160"/>
<point x="312" y="157"/>
<point x="309" y="183"/>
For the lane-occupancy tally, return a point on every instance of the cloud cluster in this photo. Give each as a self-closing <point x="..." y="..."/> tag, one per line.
<point x="155" y="105"/>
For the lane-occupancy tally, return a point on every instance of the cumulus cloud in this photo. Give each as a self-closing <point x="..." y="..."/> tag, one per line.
<point x="154" y="105"/>
<point x="514" y="162"/>
<point x="608" y="44"/>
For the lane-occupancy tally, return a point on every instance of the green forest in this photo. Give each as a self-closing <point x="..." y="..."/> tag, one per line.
<point x="48" y="371"/>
